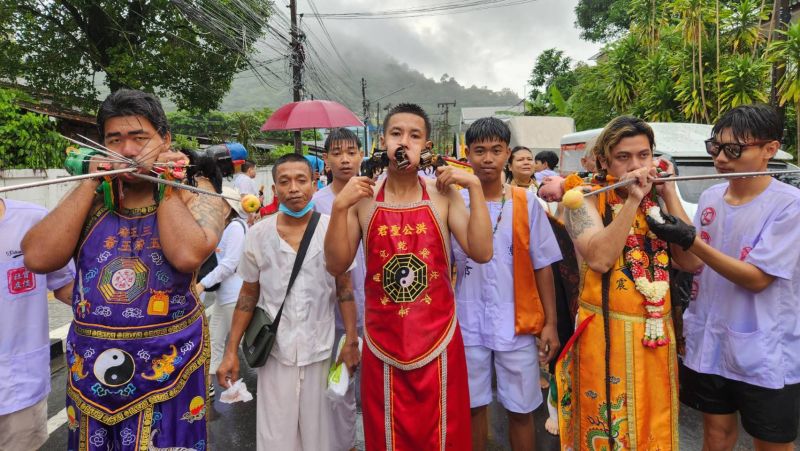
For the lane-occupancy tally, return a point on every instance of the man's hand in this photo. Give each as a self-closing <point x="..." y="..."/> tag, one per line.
<point x="350" y="355"/>
<point x="644" y="181"/>
<point x="179" y="161"/>
<point x="668" y="171"/>
<point x="228" y="370"/>
<point x="448" y="175"/>
<point x="199" y="288"/>
<point x="548" y="344"/>
<point x="673" y="230"/>
<point x="357" y="188"/>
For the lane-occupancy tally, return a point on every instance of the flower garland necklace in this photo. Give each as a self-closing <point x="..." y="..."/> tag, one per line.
<point x="650" y="275"/>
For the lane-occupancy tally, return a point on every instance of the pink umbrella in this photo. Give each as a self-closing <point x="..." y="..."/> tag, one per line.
<point x="311" y="114"/>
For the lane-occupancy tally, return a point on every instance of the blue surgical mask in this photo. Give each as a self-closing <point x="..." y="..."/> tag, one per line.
<point x="296" y="214"/>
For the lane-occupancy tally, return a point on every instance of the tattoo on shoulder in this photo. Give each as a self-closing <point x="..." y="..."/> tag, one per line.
<point x="578" y="221"/>
<point x="207" y="211"/>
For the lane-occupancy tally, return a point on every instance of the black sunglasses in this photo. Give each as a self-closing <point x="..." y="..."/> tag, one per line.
<point x="732" y="150"/>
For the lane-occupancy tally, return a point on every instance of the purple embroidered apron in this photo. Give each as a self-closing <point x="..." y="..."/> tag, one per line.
<point x="138" y="340"/>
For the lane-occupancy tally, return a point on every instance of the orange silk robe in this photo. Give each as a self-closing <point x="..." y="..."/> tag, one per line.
<point x="644" y="381"/>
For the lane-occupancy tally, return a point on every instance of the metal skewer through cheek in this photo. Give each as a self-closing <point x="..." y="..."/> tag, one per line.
<point x="731" y="175"/>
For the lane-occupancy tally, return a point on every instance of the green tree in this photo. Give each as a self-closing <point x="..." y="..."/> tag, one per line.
<point x="786" y="53"/>
<point x="27" y="140"/>
<point x="743" y="24"/>
<point x="185" y="51"/>
<point x="551" y="66"/>
<point x="602" y="20"/>
<point x="743" y="81"/>
<point x="589" y="104"/>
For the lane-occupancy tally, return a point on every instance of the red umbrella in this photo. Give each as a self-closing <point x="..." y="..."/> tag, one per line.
<point x="311" y="114"/>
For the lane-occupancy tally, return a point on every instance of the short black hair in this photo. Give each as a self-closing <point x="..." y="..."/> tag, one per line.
<point x="247" y="164"/>
<point x="290" y="158"/>
<point x="548" y="157"/>
<point x="487" y="128"/>
<point x="757" y="121"/>
<point x="410" y="108"/>
<point x="132" y="102"/>
<point x="341" y="135"/>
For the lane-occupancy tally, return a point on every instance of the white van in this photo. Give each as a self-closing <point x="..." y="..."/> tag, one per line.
<point x="680" y="142"/>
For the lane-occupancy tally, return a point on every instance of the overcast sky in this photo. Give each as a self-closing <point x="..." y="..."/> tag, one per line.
<point x="495" y="47"/>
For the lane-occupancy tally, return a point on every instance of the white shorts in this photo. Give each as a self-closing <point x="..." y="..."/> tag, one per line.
<point x="517" y="374"/>
<point x="24" y="429"/>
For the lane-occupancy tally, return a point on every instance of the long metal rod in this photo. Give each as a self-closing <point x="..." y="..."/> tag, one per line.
<point x="186" y="187"/>
<point x="106" y="149"/>
<point x="731" y="175"/>
<point x="114" y="155"/>
<point x="71" y="178"/>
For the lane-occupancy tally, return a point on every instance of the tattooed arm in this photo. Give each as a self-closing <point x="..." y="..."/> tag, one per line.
<point x="228" y="370"/>
<point x="600" y="247"/>
<point x="190" y="226"/>
<point x="347" y="307"/>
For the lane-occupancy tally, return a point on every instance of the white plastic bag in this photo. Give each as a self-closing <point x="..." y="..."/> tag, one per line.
<point x="338" y="377"/>
<point x="235" y="393"/>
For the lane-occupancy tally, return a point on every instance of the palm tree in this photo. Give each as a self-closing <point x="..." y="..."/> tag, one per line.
<point x="620" y="69"/>
<point x="693" y="25"/>
<point x="743" y="81"/>
<point x="786" y="53"/>
<point x="744" y="24"/>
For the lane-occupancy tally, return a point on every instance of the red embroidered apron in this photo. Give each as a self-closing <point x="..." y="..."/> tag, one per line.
<point x="414" y="375"/>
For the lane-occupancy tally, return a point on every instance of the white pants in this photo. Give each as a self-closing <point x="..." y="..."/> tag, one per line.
<point x="219" y="327"/>
<point x="24" y="429"/>
<point x="517" y="374"/>
<point x="293" y="412"/>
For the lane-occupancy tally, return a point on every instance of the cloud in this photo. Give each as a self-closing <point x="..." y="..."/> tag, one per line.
<point x="495" y="47"/>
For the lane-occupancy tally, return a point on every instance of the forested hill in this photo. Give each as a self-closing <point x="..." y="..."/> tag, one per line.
<point x="383" y="74"/>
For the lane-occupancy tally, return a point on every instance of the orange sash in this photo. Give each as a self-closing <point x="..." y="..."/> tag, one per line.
<point x="528" y="310"/>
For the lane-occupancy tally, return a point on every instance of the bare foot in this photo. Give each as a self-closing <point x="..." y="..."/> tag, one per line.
<point x="551" y="425"/>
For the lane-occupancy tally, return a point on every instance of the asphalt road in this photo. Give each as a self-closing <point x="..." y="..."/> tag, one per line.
<point x="232" y="426"/>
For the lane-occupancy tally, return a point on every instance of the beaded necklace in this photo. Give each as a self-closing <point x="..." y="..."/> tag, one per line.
<point x="500" y="215"/>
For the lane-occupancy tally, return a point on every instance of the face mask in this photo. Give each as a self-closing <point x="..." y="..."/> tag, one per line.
<point x="296" y="214"/>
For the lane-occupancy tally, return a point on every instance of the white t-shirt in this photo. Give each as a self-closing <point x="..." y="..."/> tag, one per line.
<point x="24" y="331"/>
<point x="305" y="334"/>
<point x="229" y="252"/>
<point x="245" y="184"/>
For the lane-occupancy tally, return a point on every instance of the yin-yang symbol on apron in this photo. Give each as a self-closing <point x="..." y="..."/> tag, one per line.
<point x="404" y="277"/>
<point x="114" y="367"/>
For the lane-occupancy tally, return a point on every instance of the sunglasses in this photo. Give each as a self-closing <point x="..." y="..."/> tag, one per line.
<point x="732" y="150"/>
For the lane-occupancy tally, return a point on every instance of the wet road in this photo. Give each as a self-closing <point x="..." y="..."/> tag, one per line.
<point x="232" y="426"/>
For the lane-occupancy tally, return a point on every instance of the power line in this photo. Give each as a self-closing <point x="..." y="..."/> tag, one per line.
<point x="433" y="10"/>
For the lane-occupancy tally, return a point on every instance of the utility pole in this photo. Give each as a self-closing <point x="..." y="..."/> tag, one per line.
<point x="298" y="58"/>
<point x="446" y="124"/>
<point x="365" y="107"/>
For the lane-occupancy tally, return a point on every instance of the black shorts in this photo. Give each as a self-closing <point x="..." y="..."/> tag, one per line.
<point x="771" y="415"/>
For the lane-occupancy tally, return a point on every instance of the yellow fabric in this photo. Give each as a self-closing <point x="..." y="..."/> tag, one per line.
<point x="528" y="309"/>
<point x="644" y="388"/>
